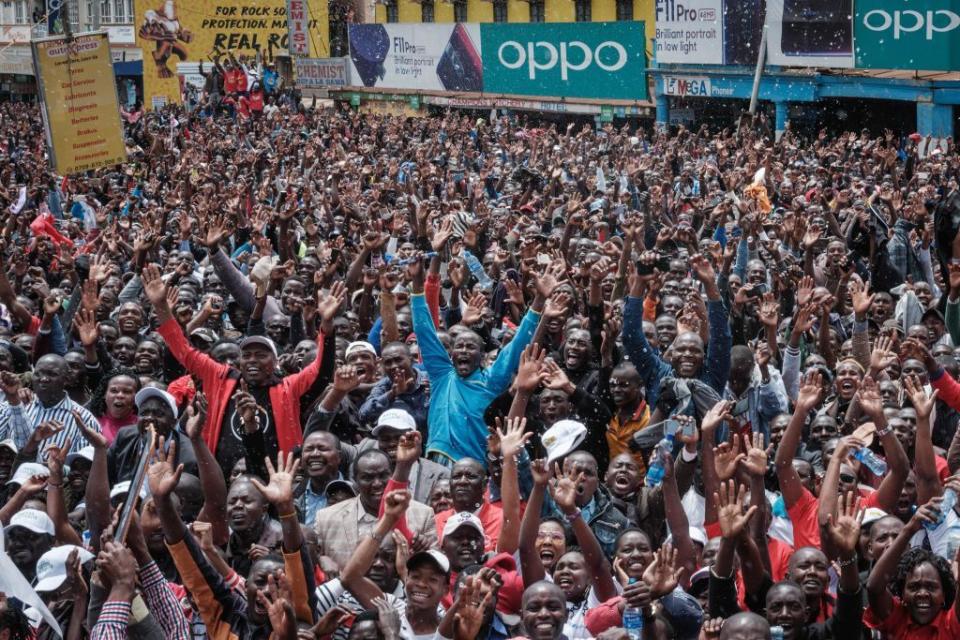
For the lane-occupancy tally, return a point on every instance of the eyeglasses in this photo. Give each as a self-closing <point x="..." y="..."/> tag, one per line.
<point x="549" y="536"/>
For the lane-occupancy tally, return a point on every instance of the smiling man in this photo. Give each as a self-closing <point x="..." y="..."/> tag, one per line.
<point x="278" y="399"/>
<point x="157" y="410"/>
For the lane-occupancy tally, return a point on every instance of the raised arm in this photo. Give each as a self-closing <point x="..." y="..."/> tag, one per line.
<point x="212" y="482"/>
<point x="354" y="574"/>
<point x="513" y="437"/>
<point x="807" y="399"/>
<point x="530" y="564"/>
<point x="279" y="493"/>
<point x="564" y="494"/>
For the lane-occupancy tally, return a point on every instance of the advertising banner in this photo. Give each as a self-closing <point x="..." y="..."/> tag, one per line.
<point x="297" y="20"/>
<point x="172" y="31"/>
<point x="319" y="73"/>
<point x="810" y="33"/>
<point x="575" y="60"/>
<point x="689" y="31"/>
<point x="908" y="34"/>
<point x="79" y="95"/>
<point x="439" y="57"/>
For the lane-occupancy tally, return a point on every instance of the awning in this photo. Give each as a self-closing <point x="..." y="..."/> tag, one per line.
<point x="128" y="68"/>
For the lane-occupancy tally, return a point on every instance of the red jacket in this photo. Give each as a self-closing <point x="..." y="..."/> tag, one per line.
<point x="219" y="381"/>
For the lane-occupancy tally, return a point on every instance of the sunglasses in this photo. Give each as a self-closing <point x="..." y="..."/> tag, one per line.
<point x="847" y="478"/>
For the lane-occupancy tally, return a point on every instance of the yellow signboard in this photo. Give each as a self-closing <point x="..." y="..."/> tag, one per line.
<point x="80" y="109"/>
<point x="171" y="31"/>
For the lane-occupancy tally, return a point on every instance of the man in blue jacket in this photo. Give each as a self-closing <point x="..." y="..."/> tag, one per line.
<point x="687" y="353"/>
<point x="460" y="390"/>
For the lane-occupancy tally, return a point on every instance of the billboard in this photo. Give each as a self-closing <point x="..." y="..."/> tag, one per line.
<point x="439" y="57"/>
<point x="810" y="33"/>
<point x="689" y="32"/>
<point x="297" y="18"/>
<point x="319" y="73"/>
<point x="575" y="60"/>
<point x="80" y="111"/>
<point x="173" y="31"/>
<point x="908" y="34"/>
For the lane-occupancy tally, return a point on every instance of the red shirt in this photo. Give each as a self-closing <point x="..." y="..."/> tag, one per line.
<point x="803" y="515"/>
<point x="900" y="626"/>
<point x="229" y="81"/>
<point x="491" y="517"/>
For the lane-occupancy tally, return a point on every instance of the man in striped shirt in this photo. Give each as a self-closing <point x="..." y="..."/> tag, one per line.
<point x="50" y="418"/>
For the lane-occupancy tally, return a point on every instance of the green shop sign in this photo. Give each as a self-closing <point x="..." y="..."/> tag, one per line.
<point x="575" y="60"/>
<point x="907" y="34"/>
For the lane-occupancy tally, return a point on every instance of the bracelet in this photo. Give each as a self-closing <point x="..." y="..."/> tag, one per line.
<point x="573" y="517"/>
<point x="847" y="563"/>
<point x="881" y="433"/>
<point x="292" y="514"/>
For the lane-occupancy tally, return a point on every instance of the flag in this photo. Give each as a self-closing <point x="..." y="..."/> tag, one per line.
<point x="14" y="585"/>
<point x="83" y="211"/>
<point x="43" y="225"/>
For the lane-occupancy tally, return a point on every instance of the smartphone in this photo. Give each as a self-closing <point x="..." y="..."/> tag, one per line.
<point x="460" y="67"/>
<point x="755" y="290"/>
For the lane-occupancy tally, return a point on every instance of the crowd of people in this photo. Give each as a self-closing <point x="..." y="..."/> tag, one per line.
<point x="318" y="374"/>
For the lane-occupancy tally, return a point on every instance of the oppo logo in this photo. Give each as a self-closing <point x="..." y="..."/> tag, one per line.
<point x="609" y="56"/>
<point x="939" y="21"/>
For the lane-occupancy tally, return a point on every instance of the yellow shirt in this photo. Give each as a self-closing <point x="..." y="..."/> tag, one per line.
<point x="619" y="435"/>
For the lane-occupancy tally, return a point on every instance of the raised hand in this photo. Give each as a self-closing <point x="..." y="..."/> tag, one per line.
<point x="844" y="526"/>
<point x="118" y="565"/>
<point x="882" y="355"/>
<point x="769" y="311"/>
<point x="153" y="285"/>
<point x="88" y="330"/>
<point x="277" y="600"/>
<point x="726" y="458"/>
<point x="557" y="305"/>
<point x="811" y="390"/>
<point x="396" y="503"/>
<point x="805" y="291"/>
<point x="45" y="431"/>
<point x="409" y="447"/>
<point x="471" y="606"/>
<point x="563" y="490"/>
<point x="662" y="574"/>
<point x="94" y="438"/>
<point x="473" y="313"/>
<point x="716" y="415"/>
<point x="540" y="471"/>
<point x="329" y="305"/>
<point x="345" y="379"/>
<point x="530" y="373"/>
<point x="513" y="436"/>
<point x="868" y="396"/>
<point x="860" y="297"/>
<point x="730" y="514"/>
<point x="280" y="488"/>
<point x="196" y="417"/>
<point x="922" y="403"/>
<point x="162" y="478"/>
<point x="703" y="270"/>
<point x="755" y="461"/>
<point x="56" y="459"/>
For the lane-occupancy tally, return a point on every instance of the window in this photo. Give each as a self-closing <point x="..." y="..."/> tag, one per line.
<point x="459" y="10"/>
<point x="106" y="12"/>
<point x="624" y="9"/>
<point x="119" y="11"/>
<point x="584" y="11"/>
<point x="20" y="15"/>
<point x="426" y="11"/>
<point x="500" y="10"/>
<point x="393" y="12"/>
<point x="536" y="10"/>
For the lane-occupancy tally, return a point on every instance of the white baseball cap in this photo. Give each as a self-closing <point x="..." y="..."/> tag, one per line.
<point x="152" y="392"/>
<point x="52" y="566"/>
<point x="871" y="515"/>
<point x="562" y="438"/>
<point x="124" y="487"/>
<point x="32" y="520"/>
<point x="358" y="346"/>
<point x="394" y="419"/>
<point x="86" y="453"/>
<point x="9" y="444"/>
<point x="27" y="470"/>
<point x="262" y="341"/>
<point x="462" y="519"/>
<point x="432" y="556"/>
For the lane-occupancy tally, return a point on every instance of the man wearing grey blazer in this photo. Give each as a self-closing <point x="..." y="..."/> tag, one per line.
<point x="340" y="527"/>
<point x="391" y="425"/>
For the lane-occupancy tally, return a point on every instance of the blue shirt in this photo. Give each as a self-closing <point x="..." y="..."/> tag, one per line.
<point x="457" y="404"/>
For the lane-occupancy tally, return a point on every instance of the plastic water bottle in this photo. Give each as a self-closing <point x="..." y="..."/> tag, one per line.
<point x="871" y="461"/>
<point x="776" y="633"/>
<point x="633" y="620"/>
<point x="658" y="466"/>
<point x="949" y="501"/>
<point x="476" y="268"/>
